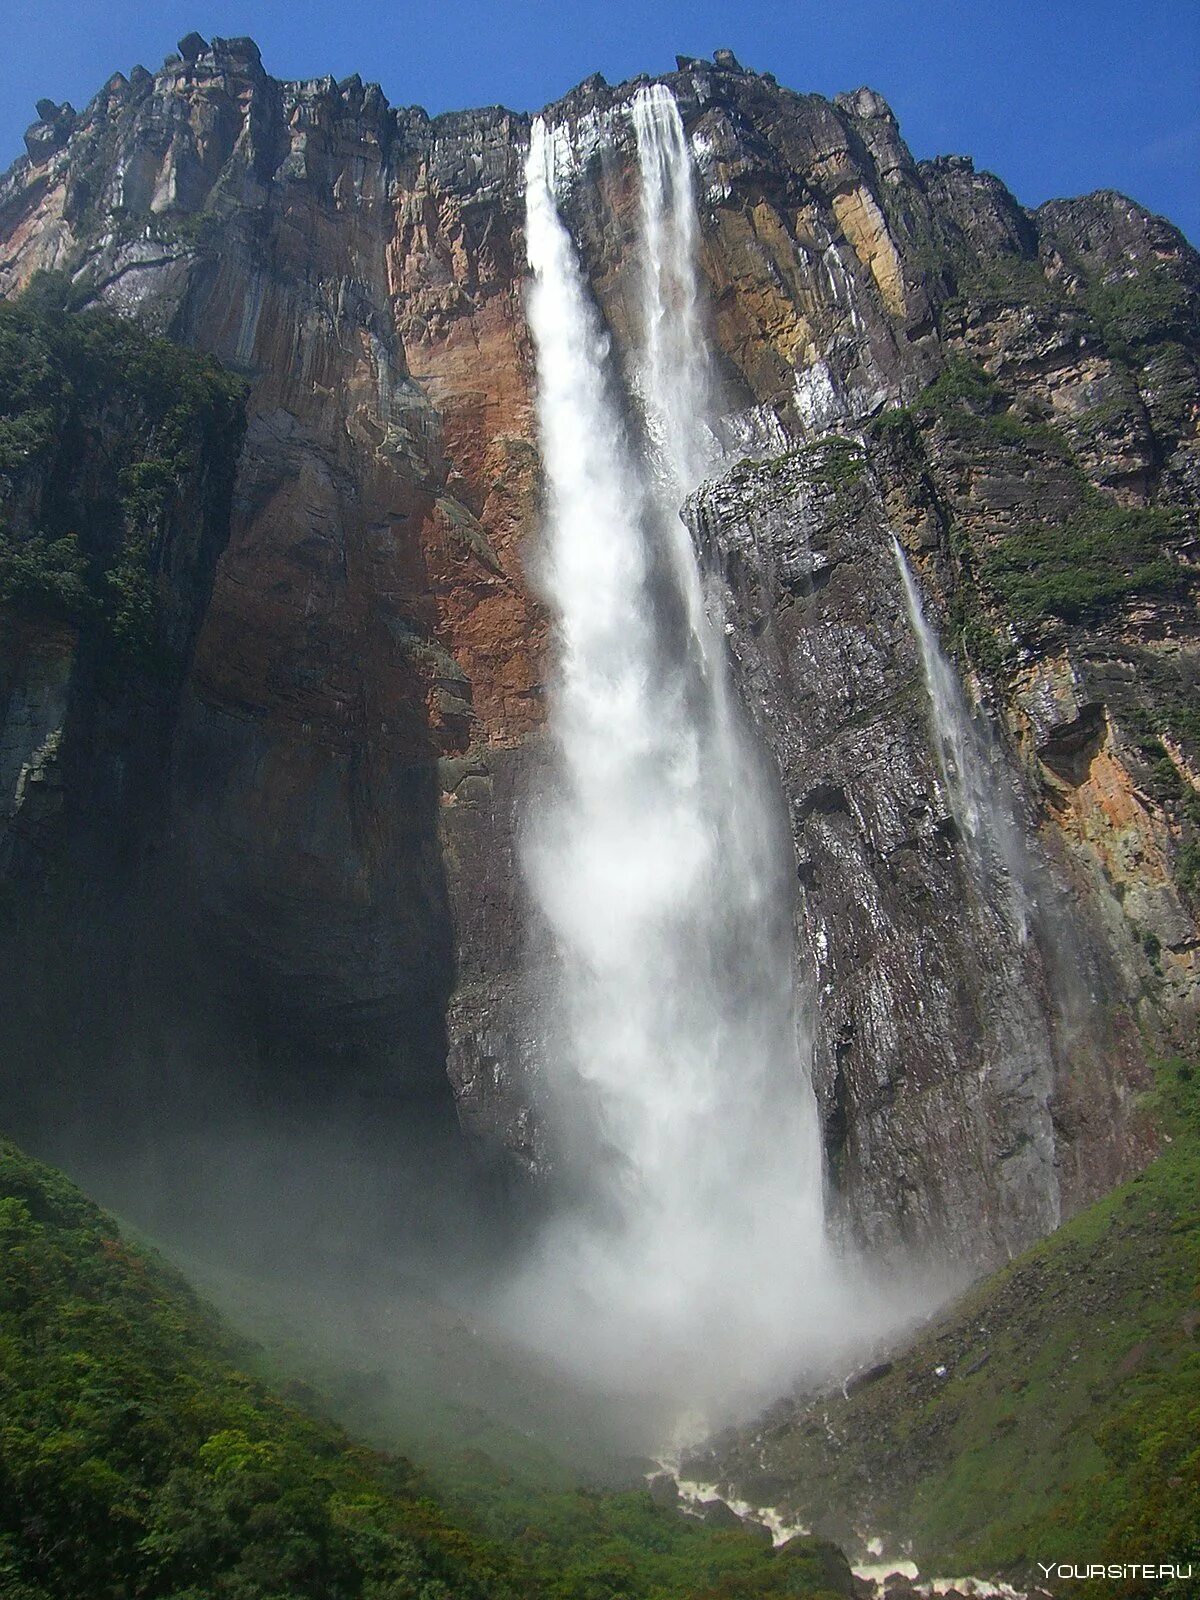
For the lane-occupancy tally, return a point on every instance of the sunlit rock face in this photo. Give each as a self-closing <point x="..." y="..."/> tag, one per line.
<point x="964" y="1010"/>
<point x="339" y="855"/>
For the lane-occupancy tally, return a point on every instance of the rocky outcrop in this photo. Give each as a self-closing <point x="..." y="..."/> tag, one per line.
<point x="359" y="716"/>
<point x="369" y="616"/>
<point x="961" y="1057"/>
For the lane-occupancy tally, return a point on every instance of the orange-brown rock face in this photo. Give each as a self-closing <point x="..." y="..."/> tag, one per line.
<point x="370" y="613"/>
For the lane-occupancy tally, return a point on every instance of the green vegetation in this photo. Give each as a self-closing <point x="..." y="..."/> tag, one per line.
<point x="1099" y="1458"/>
<point x="961" y="388"/>
<point x="1170" y="704"/>
<point x="1187" y="868"/>
<point x="1006" y="280"/>
<point x="961" y="383"/>
<point x="1162" y="700"/>
<point x="1101" y="555"/>
<point x="106" y="434"/>
<point x="585" y="1545"/>
<point x="1149" y="307"/>
<point x="137" y="1458"/>
<point x="835" y="463"/>
<point x="1112" y="413"/>
<point x="1169" y="782"/>
<point x="895" y="426"/>
<point x="1054" y="1413"/>
<point x="973" y="638"/>
<point x="1175" y="793"/>
<point x="970" y="405"/>
<point x="1170" y="371"/>
<point x="1084" y="557"/>
<point x="832" y="463"/>
<point x="47" y="575"/>
<point x="966" y="400"/>
<point x="1078" y="566"/>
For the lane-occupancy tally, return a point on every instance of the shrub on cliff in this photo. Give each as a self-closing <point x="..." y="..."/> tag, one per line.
<point x="106" y="435"/>
<point x="1100" y="556"/>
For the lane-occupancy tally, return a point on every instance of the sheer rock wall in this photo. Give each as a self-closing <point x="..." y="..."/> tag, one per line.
<point x="362" y="710"/>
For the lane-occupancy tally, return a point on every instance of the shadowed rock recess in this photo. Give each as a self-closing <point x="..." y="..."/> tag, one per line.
<point x="281" y="874"/>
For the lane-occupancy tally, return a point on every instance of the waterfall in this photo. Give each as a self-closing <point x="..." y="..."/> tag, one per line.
<point x="674" y="377"/>
<point x="1038" y="996"/>
<point x="980" y="794"/>
<point x="688" y="1258"/>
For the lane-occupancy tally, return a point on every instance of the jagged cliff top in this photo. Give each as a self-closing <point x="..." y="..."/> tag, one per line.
<point x="696" y="78"/>
<point x="240" y="57"/>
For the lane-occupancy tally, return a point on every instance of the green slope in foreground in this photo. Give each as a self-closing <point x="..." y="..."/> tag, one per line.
<point x="138" y="1459"/>
<point x="1053" y="1414"/>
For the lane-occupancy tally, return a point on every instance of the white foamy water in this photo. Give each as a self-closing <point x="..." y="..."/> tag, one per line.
<point x="688" y="1259"/>
<point x="695" y="1497"/>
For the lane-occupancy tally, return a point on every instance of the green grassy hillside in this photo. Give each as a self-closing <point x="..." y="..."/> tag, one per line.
<point x="139" y="1461"/>
<point x="135" y="1459"/>
<point x="1053" y="1414"/>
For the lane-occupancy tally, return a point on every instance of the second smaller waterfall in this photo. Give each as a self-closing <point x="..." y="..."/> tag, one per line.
<point x="979" y="791"/>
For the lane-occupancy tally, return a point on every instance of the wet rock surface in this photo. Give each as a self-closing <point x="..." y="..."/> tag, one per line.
<point x="945" y="1045"/>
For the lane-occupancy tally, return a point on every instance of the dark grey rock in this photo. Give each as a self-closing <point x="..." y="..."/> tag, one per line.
<point x="664" y="1491"/>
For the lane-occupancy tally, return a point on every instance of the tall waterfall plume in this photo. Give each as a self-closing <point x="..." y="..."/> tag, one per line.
<point x="688" y="1258"/>
<point x="674" y="375"/>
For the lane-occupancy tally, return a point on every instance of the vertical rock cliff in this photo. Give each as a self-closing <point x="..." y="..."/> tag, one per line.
<point x="334" y="848"/>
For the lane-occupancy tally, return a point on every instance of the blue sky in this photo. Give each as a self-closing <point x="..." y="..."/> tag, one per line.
<point x="1057" y="96"/>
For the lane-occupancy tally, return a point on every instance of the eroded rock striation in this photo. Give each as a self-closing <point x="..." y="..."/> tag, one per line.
<point x="334" y="853"/>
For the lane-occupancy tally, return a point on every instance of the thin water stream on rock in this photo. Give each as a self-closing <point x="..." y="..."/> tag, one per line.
<point x="979" y="793"/>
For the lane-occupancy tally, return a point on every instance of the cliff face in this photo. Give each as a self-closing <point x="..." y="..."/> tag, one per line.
<point x="975" y="1057"/>
<point x="366" y="620"/>
<point x="359" y="714"/>
<point x="118" y="454"/>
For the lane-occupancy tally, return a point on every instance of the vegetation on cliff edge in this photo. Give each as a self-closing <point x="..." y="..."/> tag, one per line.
<point x="106" y="435"/>
<point x="1079" y="560"/>
<point x="1101" y="555"/>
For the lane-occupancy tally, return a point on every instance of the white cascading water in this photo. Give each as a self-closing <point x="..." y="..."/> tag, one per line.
<point x="1038" y="951"/>
<point x="689" y="1259"/>
<point x="674" y="375"/>
<point x="980" y="795"/>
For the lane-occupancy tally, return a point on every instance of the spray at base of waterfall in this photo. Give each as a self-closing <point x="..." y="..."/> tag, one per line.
<point x="687" y="1265"/>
